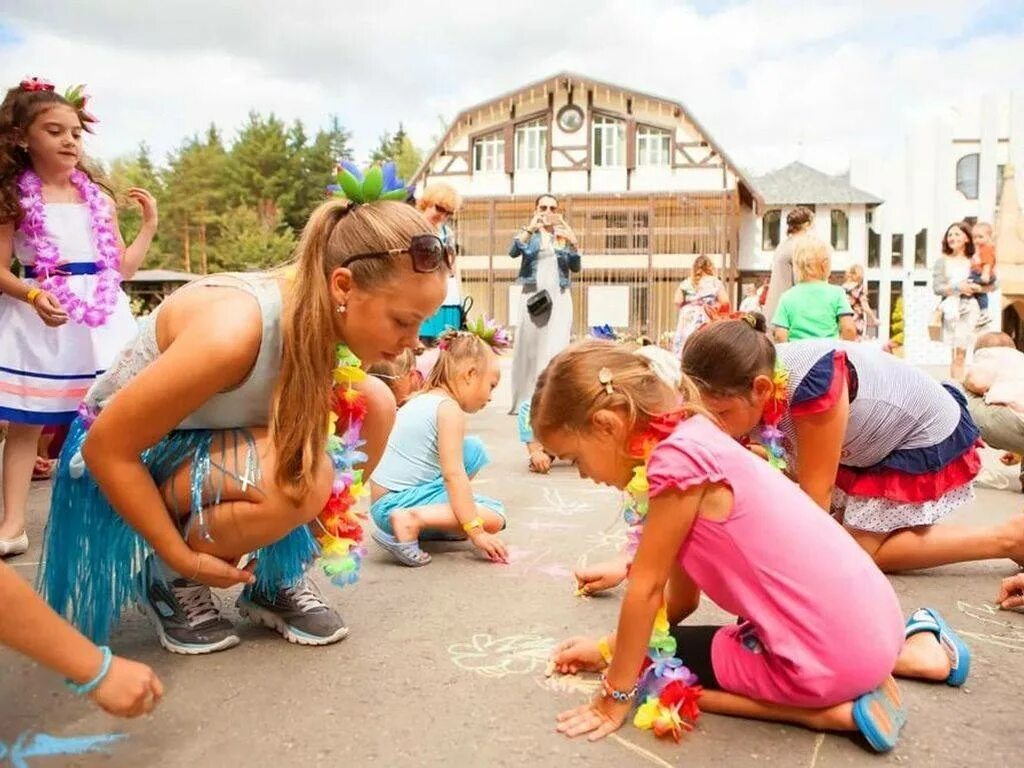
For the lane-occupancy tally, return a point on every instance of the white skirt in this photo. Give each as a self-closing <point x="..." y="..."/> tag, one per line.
<point x="45" y="372"/>
<point x="878" y="515"/>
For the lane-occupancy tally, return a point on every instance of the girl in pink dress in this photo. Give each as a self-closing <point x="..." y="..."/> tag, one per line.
<point x="807" y="649"/>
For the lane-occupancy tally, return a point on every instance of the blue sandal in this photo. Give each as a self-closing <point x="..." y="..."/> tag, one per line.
<point x="880" y="716"/>
<point x="930" y="620"/>
<point x="406" y="552"/>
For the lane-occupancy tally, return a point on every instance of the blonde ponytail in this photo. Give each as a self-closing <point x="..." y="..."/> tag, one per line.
<point x="302" y="400"/>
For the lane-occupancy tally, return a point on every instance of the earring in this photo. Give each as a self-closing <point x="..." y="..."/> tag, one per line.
<point x="340" y="309"/>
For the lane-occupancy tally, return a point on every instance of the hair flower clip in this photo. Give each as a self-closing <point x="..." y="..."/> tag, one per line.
<point x="604" y="376"/>
<point x="35" y="84"/>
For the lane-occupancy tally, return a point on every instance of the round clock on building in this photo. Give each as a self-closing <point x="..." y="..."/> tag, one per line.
<point x="570" y="118"/>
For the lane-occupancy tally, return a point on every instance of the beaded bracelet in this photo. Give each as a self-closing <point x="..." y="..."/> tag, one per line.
<point x="93" y="684"/>
<point x="620" y="696"/>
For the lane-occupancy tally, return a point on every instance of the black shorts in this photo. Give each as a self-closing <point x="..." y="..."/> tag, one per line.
<point x="693" y="646"/>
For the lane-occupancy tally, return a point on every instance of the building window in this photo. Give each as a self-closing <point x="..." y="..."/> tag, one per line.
<point x="921" y="249"/>
<point x="771" y="230"/>
<point x="897" y="250"/>
<point x="874" y="249"/>
<point x="967" y="168"/>
<point x="625" y="231"/>
<point x="840" y="231"/>
<point x="609" y="142"/>
<point x="653" y="147"/>
<point x="531" y="146"/>
<point x="489" y="153"/>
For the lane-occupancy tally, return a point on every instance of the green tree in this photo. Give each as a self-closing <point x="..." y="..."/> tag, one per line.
<point x="262" y="167"/>
<point x="137" y="171"/>
<point x="198" y="194"/>
<point x="399" y="149"/>
<point x="248" y="242"/>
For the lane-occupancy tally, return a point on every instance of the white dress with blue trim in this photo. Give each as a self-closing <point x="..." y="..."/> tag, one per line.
<point x="45" y="372"/>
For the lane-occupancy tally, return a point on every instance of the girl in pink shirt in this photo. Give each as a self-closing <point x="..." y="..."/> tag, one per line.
<point x="808" y="648"/>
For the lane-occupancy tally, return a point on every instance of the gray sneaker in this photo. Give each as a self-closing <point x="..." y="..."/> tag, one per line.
<point x="298" y="613"/>
<point x="185" y="616"/>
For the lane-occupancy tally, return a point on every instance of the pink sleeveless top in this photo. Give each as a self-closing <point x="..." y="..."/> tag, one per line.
<point x="817" y="616"/>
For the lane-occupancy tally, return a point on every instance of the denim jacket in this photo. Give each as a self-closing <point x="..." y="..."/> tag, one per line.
<point x="568" y="260"/>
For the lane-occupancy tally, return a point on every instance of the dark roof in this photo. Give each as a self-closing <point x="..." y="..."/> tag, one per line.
<point x="741" y="175"/>
<point x="798" y="183"/>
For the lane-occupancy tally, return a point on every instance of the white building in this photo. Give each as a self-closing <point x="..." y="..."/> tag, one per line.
<point x="841" y="213"/>
<point x="947" y="170"/>
<point x="642" y="183"/>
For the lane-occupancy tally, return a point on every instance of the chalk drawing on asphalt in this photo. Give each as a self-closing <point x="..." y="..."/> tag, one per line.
<point x="497" y="657"/>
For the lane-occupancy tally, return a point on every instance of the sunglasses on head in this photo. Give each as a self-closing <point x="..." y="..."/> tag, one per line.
<point x="427" y="252"/>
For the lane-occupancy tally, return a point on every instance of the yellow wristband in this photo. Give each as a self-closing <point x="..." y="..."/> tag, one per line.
<point x="605" y="649"/>
<point x="475" y="524"/>
<point x="32" y="295"/>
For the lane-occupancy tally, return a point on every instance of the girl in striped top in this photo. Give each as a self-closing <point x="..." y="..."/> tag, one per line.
<point x="885" y="448"/>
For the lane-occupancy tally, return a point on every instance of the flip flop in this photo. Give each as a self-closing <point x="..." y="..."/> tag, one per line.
<point x="880" y="716"/>
<point x="930" y="620"/>
<point x="406" y="552"/>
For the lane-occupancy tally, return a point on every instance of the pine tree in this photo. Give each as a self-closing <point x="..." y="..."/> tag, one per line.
<point x="399" y="149"/>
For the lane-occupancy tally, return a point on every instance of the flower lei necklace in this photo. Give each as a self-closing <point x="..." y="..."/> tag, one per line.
<point x="47" y="263"/>
<point x="774" y="410"/>
<point x="667" y="690"/>
<point x="340" y="533"/>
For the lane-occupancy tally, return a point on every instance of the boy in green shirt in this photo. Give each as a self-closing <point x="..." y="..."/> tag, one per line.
<point x="813" y="309"/>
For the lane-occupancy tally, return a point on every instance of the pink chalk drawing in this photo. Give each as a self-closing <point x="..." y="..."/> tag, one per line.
<point x="526" y="562"/>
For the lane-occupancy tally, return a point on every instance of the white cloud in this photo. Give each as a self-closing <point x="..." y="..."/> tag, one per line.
<point x="770" y="79"/>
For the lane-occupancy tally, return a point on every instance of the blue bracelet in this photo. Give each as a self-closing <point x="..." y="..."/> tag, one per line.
<point x="93" y="684"/>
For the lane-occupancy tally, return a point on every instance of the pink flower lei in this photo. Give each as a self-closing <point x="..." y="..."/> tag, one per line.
<point x="47" y="263"/>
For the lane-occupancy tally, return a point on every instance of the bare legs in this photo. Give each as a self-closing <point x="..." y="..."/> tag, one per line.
<point x="934" y="545"/>
<point x="408" y="524"/>
<point x="18" y="460"/>
<point x="837" y="718"/>
<point x="956" y="366"/>
<point x="248" y="516"/>
<point x="921" y="658"/>
<point x="252" y="516"/>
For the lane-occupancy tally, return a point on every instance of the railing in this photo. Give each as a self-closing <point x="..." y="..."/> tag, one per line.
<point x="644" y="244"/>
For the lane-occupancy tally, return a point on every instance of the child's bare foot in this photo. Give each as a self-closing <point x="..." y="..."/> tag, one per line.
<point x="923" y="658"/>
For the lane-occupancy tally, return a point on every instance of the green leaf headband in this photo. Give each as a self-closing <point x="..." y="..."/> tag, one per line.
<point x="378" y="183"/>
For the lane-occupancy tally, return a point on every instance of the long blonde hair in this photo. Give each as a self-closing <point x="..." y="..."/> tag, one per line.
<point x="302" y="400"/>
<point x="570" y="390"/>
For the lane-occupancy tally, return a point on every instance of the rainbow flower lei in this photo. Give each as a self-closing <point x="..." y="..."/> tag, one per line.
<point x="47" y="264"/>
<point x="667" y="690"/>
<point x="340" y="533"/>
<point x="775" y="409"/>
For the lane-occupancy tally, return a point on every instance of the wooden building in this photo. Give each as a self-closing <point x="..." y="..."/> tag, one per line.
<point x="643" y="185"/>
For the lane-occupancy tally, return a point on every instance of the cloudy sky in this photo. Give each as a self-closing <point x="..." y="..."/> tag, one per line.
<point x="772" y="80"/>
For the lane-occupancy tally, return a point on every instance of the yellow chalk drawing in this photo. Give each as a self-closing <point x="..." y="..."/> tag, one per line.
<point x="497" y="657"/>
